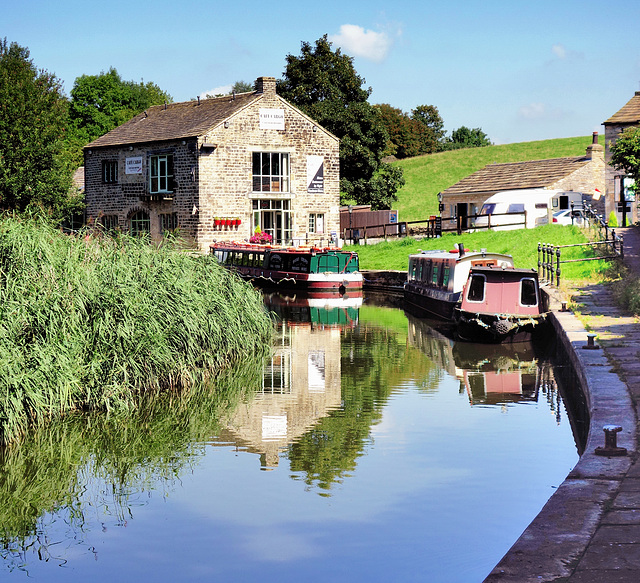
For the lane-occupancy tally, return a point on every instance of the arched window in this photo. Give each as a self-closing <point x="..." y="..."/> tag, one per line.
<point x="139" y="223"/>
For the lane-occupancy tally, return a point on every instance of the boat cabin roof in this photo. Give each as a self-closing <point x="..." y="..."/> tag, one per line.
<point x="233" y="246"/>
<point x="479" y="257"/>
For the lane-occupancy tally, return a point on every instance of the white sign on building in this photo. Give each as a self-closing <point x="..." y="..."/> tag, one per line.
<point x="271" y="119"/>
<point x="133" y="165"/>
<point x="315" y="174"/>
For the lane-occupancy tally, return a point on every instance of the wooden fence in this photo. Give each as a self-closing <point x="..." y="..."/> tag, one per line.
<point x="433" y="227"/>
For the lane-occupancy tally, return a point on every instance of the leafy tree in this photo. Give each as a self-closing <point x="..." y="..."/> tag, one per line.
<point x="464" y="137"/>
<point x="429" y="116"/>
<point x="324" y="84"/>
<point x="412" y="135"/>
<point x="625" y="154"/>
<point x="34" y="169"/>
<point x="100" y="103"/>
<point x="242" y="87"/>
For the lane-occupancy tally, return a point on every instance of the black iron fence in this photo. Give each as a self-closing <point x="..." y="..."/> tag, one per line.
<point x="610" y="246"/>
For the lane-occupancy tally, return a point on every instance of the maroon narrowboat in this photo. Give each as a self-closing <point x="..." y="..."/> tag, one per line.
<point x="326" y="272"/>
<point x="501" y="304"/>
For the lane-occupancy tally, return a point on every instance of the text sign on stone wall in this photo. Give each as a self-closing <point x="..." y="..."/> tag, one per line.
<point x="133" y="165"/>
<point x="271" y="119"/>
<point x="315" y="174"/>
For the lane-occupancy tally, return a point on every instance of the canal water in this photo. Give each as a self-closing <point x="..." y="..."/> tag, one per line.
<point x="367" y="447"/>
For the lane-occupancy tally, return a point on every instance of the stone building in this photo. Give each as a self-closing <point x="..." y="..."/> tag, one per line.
<point x="628" y="116"/>
<point x="216" y="169"/>
<point x="576" y="173"/>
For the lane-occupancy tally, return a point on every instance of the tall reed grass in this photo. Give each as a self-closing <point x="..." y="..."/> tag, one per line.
<point x="93" y="322"/>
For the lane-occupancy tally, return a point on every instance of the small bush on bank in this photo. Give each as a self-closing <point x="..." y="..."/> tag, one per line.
<point x="92" y="323"/>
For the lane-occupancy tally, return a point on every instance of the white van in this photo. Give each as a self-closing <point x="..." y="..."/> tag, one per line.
<point x="537" y="202"/>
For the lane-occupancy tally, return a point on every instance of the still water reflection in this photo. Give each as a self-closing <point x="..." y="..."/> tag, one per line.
<point x="369" y="447"/>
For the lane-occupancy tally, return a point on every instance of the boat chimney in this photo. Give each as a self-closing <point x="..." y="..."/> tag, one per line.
<point x="461" y="249"/>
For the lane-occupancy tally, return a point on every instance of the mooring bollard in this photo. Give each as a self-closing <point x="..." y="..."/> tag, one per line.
<point x="611" y="442"/>
<point x="591" y="345"/>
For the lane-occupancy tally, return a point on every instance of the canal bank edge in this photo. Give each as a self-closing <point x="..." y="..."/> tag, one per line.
<point x="552" y="545"/>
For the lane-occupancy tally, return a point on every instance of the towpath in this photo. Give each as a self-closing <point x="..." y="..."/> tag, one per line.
<point x="589" y="531"/>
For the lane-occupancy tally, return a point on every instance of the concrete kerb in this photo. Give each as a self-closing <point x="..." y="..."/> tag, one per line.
<point x="550" y="547"/>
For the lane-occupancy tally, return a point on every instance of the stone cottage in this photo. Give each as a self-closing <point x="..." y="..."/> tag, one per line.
<point x="216" y="169"/>
<point x="628" y="116"/>
<point x="576" y="173"/>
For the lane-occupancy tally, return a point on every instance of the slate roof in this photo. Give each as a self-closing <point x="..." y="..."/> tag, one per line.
<point x="516" y="175"/>
<point x="630" y="113"/>
<point x="175" y="120"/>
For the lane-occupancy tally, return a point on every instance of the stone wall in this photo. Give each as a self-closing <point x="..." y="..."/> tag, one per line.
<point x="225" y="173"/>
<point x="131" y="191"/>
<point x="213" y="176"/>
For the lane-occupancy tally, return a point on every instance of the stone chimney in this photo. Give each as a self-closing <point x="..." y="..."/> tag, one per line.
<point x="266" y="85"/>
<point x="595" y="150"/>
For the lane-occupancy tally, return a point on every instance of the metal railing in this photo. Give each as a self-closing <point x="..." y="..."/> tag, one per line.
<point x="550" y="256"/>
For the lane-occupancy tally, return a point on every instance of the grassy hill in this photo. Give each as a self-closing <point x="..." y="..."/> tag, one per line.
<point x="427" y="175"/>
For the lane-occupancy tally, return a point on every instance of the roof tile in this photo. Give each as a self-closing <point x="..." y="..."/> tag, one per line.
<point x="517" y="175"/>
<point x="175" y="120"/>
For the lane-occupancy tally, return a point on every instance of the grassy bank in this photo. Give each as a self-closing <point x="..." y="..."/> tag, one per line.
<point x="93" y="323"/>
<point x="522" y="244"/>
<point x="425" y="176"/>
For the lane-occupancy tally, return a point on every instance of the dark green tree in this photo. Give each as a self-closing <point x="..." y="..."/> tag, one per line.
<point x="34" y="169"/>
<point x="100" y="103"/>
<point x="412" y="135"/>
<point x="241" y="87"/>
<point x="625" y="154"/>
<point x="464" y="137"/>
<point x="429" y="116"/>
<point x="324" y="84"/>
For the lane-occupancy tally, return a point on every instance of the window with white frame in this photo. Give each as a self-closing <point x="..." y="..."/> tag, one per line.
<point x="109" y="171"/>
<point x="161" y="174"/>
<point x="316" y="223"/>
<point x="270" y="172"/>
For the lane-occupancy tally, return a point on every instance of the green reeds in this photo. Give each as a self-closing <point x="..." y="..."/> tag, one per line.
<point x="92" y="322"/>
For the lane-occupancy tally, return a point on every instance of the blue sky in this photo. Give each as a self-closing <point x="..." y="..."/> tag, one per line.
<point x="521" y="71"/>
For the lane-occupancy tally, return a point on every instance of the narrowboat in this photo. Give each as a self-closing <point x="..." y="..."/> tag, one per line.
<point x="435" y="279"/>
<point x="325" y="271"/>
<point x="501" y="304"/>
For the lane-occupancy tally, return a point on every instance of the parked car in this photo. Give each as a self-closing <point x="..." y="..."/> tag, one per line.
<point x="564" y="217"/>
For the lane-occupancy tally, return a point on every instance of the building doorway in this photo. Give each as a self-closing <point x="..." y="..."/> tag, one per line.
<point x="275" y="218"/>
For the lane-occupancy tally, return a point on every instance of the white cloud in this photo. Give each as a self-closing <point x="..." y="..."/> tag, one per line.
<point x="540" y="112"/>
<point x="222" y="90"/>
<point x="359" y="42"/>
<point x="562" y="53"/>
<point x="532" y="111"/>
<point x="559" y="51"/>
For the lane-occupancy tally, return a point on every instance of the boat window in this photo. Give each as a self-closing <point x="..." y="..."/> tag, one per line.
<point x="446" y="272"/>
<point x="258" y="259"/>
<point x="435" y="272"/>
<point x="247" y="258"/>
<point x="475" y="293"/>
<point x="528" y="295"/>
<point x="426" y="269"/>
<point x="228" y="260"/>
